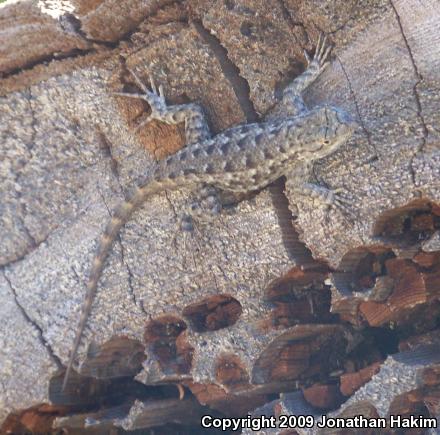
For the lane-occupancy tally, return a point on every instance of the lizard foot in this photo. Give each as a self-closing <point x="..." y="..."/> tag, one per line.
<point x="321" y="58"/>
<point x="154" y="97"/>
<point x="330" y="198"/>
<point x="196" y="126"/>
<point x="335" y="199"/>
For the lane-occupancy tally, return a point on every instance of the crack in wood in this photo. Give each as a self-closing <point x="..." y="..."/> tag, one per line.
<point x="356" y="104"/>
<point x="231" y="72"/>
<point x="44" y="60"/>
<point x="97" y="44"/>
<point x="107" y="147"/>
<point x="289" y="236"/>
<point x="33" y="323"/>
<point x="419" y="79"/>
<point x="30" y="249"/>
<point x="242" y="92"/>
<point x="294" y="24"/>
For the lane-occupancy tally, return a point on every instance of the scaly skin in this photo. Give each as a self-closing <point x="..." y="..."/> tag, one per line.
<point x="242" y="159"/>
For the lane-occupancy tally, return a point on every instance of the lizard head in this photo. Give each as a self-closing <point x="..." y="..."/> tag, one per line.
<point x="328" y="128"/>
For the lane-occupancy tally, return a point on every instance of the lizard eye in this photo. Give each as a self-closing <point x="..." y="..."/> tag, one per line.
<point x="326" y="142"/>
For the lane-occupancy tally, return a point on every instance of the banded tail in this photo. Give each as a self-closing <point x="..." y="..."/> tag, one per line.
<point x="120" y="217"/>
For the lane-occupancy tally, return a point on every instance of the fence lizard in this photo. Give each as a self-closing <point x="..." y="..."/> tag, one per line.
<point x="242" y="159"/>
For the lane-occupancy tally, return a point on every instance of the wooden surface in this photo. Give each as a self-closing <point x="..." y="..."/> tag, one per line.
<point x="70" y="149"/>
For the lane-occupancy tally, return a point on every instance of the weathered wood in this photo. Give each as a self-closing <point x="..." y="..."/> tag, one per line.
<point x="213" y="310"/>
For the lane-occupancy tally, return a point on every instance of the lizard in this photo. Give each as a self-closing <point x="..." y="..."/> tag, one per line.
<point x="241" y="160"/>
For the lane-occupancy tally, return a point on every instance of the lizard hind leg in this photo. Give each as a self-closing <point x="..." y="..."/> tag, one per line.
<point x="196" y="125"/>
<point x="202" y="209"/>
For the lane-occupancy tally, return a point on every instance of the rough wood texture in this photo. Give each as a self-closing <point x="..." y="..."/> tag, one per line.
<point x="403" y="386"/>
<point x="239" y="310"/>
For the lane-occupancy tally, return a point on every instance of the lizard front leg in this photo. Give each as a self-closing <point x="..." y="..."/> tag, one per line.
<point x="196" y="126"/>
<point x="296" y="182"/>
<point x="292" y="102"/>
<point x="321" y="195"/>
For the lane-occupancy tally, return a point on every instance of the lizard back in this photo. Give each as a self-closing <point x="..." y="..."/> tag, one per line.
<point x="251" y="156"/>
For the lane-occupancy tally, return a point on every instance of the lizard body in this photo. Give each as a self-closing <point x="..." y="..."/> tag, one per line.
<point x="241" y="159"/>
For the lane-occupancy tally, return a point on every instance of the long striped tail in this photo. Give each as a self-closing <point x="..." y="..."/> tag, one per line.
<point x="120" y="217"/>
